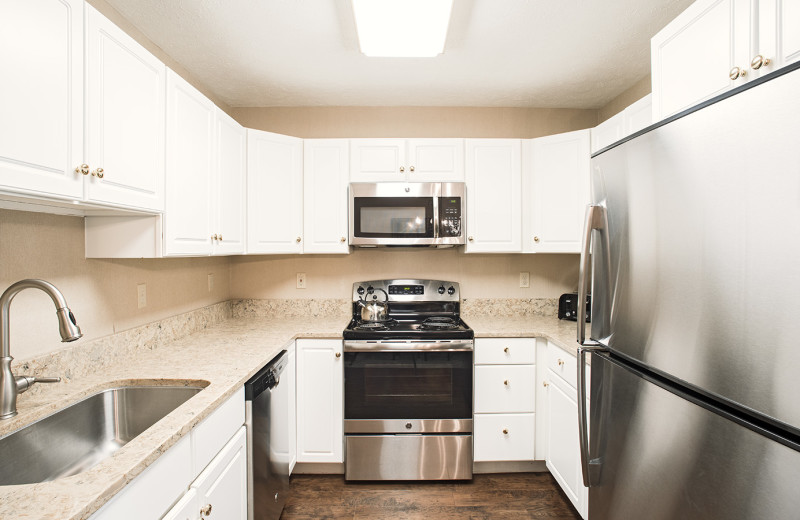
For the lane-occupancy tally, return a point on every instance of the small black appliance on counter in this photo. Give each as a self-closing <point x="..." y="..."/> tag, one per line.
<point x="568" y="307"/>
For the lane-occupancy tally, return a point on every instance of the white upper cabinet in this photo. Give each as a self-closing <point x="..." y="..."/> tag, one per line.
<point x="41" y="97"/>
<point x="408" y="160"/>
<point x="494" y="195"/>
<point x="638" y="116"/>
<point x="556" y="193"/>
<point x="325" y="177"/>
<point x="608" y="132"/>
<point x="190" y="169"/>
<point x="274" y="193"/>
<point x="231" y="172"/>
<point x="715" y="45"/>
<point x="125" y="91"/>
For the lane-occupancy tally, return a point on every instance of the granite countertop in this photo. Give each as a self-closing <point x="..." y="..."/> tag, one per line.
<point x="225" y="356"/>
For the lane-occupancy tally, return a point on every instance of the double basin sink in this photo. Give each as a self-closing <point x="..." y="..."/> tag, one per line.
<point x="82" y="435"/>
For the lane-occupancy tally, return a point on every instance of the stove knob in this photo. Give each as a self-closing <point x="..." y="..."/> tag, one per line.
<point x="370" y="289"/>
<point x="360" y="290"/>
<point x="451" y="291"/>
<point x="441" y="289"/>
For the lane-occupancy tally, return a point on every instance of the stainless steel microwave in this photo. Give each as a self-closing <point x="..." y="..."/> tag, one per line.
<point x="424" y="214"/>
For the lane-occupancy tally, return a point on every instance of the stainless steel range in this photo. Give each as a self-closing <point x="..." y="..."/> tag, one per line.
<point x="408" y="383"/>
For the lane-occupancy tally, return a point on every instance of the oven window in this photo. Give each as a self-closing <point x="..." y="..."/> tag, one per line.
<point x="418" y="385"/>
<point x="393" y="217"/>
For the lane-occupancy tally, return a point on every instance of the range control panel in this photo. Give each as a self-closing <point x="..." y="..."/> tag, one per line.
<point x="449" y="216"/>
<point x="406" y="289"/>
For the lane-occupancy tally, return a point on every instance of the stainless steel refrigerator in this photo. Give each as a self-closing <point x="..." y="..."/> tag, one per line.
<point x="694" y="231"/>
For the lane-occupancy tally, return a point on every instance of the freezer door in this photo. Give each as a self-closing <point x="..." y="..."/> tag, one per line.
<point x="662" y="457"/>
<point x="701" y="279"/>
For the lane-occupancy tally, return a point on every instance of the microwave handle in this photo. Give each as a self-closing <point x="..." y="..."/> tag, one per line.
<point x="436" y="222"/>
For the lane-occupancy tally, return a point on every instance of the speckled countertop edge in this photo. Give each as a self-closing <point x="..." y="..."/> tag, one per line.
<point x="223" y="356"/>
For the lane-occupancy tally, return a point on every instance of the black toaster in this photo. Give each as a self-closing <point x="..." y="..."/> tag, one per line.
<point x="568" y="307"/>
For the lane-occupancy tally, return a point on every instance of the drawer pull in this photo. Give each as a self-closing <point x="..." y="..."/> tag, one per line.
<point x="505" y="431"/>
<point x="205" y="510"/>
<point x="505" y="382"/>
<point x="338" y="354"/>
<point x="560" y="362"/>
<point x="506" y="350"/>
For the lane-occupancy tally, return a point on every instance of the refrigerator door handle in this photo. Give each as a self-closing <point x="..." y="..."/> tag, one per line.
<point x="595" y="219"/>
<point x="583" y="423"/>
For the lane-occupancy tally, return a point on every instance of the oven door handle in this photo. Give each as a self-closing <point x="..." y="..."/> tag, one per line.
<point x="410" y="346"/>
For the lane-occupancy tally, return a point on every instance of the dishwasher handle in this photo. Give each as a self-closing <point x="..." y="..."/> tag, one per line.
<point x="267" y="378"/>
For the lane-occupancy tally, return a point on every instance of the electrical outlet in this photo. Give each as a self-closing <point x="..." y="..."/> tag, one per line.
<point x="524" y="279"/>
<point x="301" y="280"/>
<point x="141" y="294"/>
<point x="210" y="282"/>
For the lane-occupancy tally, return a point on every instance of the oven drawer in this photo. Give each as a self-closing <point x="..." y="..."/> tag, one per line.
<point x="505" y="351"/>
<point x="408" y="457"/>
<point x="505" y="388"/>
<point x="504" y="436"/>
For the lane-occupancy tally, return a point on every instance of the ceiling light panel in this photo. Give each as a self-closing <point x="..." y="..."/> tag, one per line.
<point x="402" y="28"/>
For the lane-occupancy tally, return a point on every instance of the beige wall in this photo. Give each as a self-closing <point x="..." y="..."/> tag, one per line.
<point x="332" y="276"/>
<point x="315" y="122"/>
<point x="636" y="92"/>
<point x="101" y="293"/>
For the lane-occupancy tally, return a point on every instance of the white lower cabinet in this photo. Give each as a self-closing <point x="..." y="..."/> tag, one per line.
<point x="320" y="400"/>
<point x="505" y="399"/>
<point x="171" y="488"/>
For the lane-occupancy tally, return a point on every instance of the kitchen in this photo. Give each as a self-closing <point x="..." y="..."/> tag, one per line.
<point x="107" y="299"/>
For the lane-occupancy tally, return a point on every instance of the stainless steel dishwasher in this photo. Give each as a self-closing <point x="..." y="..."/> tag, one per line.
<point x="267" y="474"/>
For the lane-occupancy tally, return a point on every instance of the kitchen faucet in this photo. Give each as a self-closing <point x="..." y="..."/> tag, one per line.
<point x="10" y="385"/>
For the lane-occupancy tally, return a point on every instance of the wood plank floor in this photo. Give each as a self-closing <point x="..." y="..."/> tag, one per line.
<point x="495" y="496"/>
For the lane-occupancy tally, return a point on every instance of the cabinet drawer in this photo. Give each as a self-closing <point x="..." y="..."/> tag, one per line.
<point x="505" y="388"/>
<point x="504" y="436"/>
<point x="216" y="430"/>
<point x="505" y="351"/>
<point x="562" y="364"/>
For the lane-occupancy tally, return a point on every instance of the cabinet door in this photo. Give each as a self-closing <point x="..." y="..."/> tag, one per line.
<point x="222" y="486"/>
<point x="325" y="174"/>
<point x="435" y="160"/>
<point x="638" y="115"/>
<point x="374" y="160"/>
<point x="785" y="15"/>
<point x="187" y="508"/>
<point x="41" y="97"/>
<point x="190" y="169"/>
<point x="693" y="55"/>
<point x="274" y="193"/>
<point x="320" y="405"/>
<point x="231" y="170"/>
<point x="494" y="199"/>
<point x="563" y="455"/>
<point x="608" y="132"/>
<point x="559" y="192"/>
<point x="125" y="90"/>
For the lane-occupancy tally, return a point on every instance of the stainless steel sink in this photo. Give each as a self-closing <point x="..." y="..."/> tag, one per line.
<point x="80" y="436"/>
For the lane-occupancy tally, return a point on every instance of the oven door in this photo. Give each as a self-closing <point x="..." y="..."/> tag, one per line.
<point x="408" y="392"/>
<point x="400" y="214"/>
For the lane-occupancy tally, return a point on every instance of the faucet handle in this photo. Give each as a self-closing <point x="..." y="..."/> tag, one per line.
<point x="25" y="382"/>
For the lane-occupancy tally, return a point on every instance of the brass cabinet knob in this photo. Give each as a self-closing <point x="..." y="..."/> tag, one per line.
<point x="505" y="431"/>
<point x="342" y="240"/>
<point x="220" y="237"/>
<point x="298" y="239"/>
<point x="205" y="510"/>
<point x="213" y="237"/>
<point x="536" y="239"/>
<point x="505" y="382"/>
<point x="736" y="73"/>
<point x="338" y="354"/>
<point x="560" y="362"/>
<point x="402" y="169"/>
<point x="411" y="169"/>
<point x="758" y="62"/>
<point x="470" y="239"/>
<point x="506" y="350"/>
<point x="98" y="173"/>
<point x="545" y="384"/>
<point x="83" y="168"/>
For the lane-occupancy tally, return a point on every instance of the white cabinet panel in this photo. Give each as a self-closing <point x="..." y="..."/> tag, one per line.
<point x="283" y="436"/>
<point x="209" y="437"/>
<point x="374" y="160"/>
<point x="638" y="115"/>
<point x="274" y="193"/>
<point x="320" y="404"/>
<point x="190" y="169"/>
<point x="504" y="437"/>
<point x="505" y="351"/>
<point x="559" y="193"/>
<point x="231" y="172"/>
<point x="325" y="178"/>
<point x="563" y="456"/>
<point x="222" y="486"/>
<point x="494" y="199"/>
<point x="435" y="160"/>
<point x="41" y="97"/>
<point x="608" y="132"/>
<point x="187" y="508"/>
<point x="788" y="40"/>
<point x="125" y="90"/>
<point x="505" y="388"/>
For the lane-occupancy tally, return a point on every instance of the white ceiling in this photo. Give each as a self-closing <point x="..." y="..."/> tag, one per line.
<point x="509" y="53"/>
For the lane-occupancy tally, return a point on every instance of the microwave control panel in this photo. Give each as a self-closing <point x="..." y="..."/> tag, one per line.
<point x="449" y="216"/>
